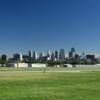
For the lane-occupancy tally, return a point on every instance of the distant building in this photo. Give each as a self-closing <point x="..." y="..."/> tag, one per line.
<point x="53" y="57"/>
<point x="72" y="53"/>
<point x="73" y="50"/>
<point x="35" y="55"/>
<point x="98" y="60"/>
<point x="37" y="65"/>
<point x="90" y="57"/>
<point x="16" y="65"/>
<point x="30" y="54"/>
<point x="77" y="56"/>
<point x="49" y="55"/>
<point x="4" y="57"/>
<point x="21" y="57"/>
<point x="61" y="55"/>
<point x="83" y="56"/>
<point x="56" y="55"/>
<point x="18" y="57"/>
<point x="41" y="56"/>
<point x="25" y="58"/>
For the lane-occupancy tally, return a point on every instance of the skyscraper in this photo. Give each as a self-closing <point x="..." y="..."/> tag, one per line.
<point x="18" y="57"/>
<point x="62" y="55"/>
<point x="72" y="49"/>
<point x="4" y="57"/>
<point x="49" y="55"/>
<point x="30" y="54"/>
<point x="72" y="53"/>
<point x="56" y="55"/>
<point x="40" y="56"/>
<point x="34" y="55"/>
<point x="53" y="57"/>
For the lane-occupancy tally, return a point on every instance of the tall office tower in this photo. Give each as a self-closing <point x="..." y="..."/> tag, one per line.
<point x="72" y="53"/>
<point x="53" y="57"/>
<point x="73" y="50"/>
<point x="40" y="56"/>
<point x="18" y="57"/>
<point x="56" y="55"/>
<point x="77" y="56"/>
<point x="4" y="57"/>
<point x="25" y="58"/>
<point x="35" y="55"/>
<point x="62" y="55"/>
<point x="49" y="55"/>
<point x="83" y="56"/>
<point x="30" y="54"/>
<point x="90" y="57"/>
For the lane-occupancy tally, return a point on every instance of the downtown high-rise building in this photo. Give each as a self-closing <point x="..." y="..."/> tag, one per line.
<point x="62" y="55"/>
<point x="18" y="57"/>
<point x="30" y="54"/>
<point x="49" y="55"/>
<point x="35" y="56"/>
<point x="72" y="53"/>
<point x="56" y="55"/>
<point x="4" y="57"/>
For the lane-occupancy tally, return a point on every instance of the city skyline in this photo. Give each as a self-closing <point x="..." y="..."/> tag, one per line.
<point x="48" y="51"/>
<point x="51" y="24"/>
<point x="49" y="58"/>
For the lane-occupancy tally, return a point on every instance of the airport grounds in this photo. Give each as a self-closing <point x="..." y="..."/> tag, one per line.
<point x="50" y="83"/>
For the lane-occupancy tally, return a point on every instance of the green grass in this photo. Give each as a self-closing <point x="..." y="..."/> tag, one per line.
<point x="22" y="85"/>
<point x="47" y="69"/>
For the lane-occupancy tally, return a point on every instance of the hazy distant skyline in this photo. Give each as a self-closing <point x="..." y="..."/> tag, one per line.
<point x="49" y="24"/>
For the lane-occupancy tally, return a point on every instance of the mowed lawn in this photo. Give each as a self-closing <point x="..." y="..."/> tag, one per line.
<point x="21" y="85"/>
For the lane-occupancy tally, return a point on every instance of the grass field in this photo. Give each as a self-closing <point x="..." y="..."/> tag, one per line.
<point x="23" y="84"/>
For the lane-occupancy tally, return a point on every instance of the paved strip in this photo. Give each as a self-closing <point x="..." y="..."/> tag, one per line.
<point x="43" y="71"/>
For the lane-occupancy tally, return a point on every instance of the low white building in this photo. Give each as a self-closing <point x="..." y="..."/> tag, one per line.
<point x="19" y="65"/>
<point x="86" y="66"/>
<point x="37" y="65"/>
<point x="68" y="65"/>
<point x="64" y="65"/>
<point x="97" y="65"/>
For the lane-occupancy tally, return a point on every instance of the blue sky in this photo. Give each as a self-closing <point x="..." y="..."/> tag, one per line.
<point x="49" y="24"/>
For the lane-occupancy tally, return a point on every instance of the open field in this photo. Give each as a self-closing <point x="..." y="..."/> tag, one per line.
<point x="49" y="69"/>
<point x="25" y="84"/>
